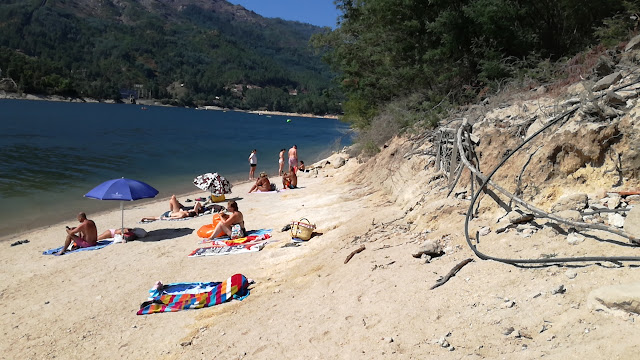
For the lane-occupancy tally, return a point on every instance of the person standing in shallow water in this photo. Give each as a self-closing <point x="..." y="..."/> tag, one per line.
<point x="281" y="162"/>
<point x="253" y="162"/>
<point x="293" y="159"/>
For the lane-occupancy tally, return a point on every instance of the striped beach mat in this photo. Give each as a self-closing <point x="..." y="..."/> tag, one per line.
<point x="184" y="296"/>
<point x="220" y="249"/>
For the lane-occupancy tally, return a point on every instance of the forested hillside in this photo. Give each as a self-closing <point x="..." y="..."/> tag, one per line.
<point x="205" y="52"/>
<point x="400" y="62"/>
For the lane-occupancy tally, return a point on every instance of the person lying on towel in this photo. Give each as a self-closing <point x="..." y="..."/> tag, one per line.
<point x="232" y="225"/>
<point x="262" y="184"/>
<point x="177" y="211"/>
<point x="83" y="235"/>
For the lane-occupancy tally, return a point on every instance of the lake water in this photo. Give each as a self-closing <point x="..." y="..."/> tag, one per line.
<point x="52" y="153"/>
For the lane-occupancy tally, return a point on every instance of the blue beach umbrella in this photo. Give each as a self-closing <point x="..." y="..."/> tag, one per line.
<point x="122" y="190"/>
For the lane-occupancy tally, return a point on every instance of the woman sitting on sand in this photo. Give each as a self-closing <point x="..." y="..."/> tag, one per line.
<point x="177" y="211"/>
<point x="229" y="222"/>
<point x="262" y="184"/>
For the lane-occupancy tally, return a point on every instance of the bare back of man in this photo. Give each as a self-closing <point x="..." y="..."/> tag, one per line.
<point x="293" y="158"/>
<point x="83" y="235"/>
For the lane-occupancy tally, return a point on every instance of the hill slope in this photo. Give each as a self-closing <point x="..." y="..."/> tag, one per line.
<point x="216" y="52"/>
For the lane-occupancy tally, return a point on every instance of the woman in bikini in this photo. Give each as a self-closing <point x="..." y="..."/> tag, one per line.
<point x="229" y="221"/>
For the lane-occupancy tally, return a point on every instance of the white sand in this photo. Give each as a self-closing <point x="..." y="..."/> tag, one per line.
<point x="306" y="303"/>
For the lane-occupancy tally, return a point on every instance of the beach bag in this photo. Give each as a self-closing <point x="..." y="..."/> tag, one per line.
<point x="273" y="187"/>
<point x="302" y="229"/>
<point x="236" y="231"/>
<point x="217" y="198"/>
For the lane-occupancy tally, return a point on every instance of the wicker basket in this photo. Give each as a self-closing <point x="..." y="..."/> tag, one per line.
<point x="302" y="229"/>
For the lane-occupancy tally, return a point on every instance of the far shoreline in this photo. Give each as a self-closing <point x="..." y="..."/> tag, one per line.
<point x="150" y="102"/>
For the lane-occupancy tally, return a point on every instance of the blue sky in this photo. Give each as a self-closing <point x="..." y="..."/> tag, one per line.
<point x="316" y="12"/>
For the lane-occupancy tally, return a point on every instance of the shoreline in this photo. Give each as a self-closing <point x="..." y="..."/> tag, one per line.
<point x="101" y="213"/>
<point x="148" y="102"/>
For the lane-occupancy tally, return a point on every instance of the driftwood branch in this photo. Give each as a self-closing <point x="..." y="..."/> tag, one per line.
<point x="518" y="190"/>
<point x="536" y="211"/>
<point x="360" y="249"/>
<point x="451" y="273"/>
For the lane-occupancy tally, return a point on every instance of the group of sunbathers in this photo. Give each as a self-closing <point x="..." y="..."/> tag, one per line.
<point x="178" y="211"/>
<point x="86" y="235"/>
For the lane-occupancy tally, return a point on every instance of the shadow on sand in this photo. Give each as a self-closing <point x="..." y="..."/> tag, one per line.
<point x="166" y="234"/>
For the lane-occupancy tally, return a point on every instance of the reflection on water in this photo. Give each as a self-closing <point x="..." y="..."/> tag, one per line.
<point x="31" y="168"/>
<point x="53" y="153"/>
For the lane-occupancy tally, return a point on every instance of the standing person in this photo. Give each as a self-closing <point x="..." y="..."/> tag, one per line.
<point x="281" y="162"/>
<point x="84" y="235"/>
<point x="253" y="162"/>
<point x="293" y="158"/>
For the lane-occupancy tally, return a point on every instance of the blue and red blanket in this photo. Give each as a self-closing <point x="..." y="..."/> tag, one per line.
<point x="183" y="296"/>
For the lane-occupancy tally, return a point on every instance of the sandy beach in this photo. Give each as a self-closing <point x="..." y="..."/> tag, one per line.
<point x="306" y="301"/>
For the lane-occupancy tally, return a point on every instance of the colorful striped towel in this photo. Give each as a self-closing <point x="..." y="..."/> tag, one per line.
<point x="251" y="236"/>
<point x="183" y="296"/>
<point x="99" y="245"/>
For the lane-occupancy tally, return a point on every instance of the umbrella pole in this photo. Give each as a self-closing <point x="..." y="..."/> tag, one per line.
<point x="122" y="214"/>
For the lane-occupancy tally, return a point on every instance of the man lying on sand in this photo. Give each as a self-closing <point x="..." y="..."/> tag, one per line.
<point x="84" y="235"/>
<point x="177" y="211"/>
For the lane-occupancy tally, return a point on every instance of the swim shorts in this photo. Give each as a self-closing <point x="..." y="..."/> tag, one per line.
<point x="293" y="162"/>
<point x="254" y="165"/>
<point x="81" y="243"/>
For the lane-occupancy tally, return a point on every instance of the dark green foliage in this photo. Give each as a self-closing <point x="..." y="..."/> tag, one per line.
<point x="458" y="50"/>
<point x="90" y="48"/>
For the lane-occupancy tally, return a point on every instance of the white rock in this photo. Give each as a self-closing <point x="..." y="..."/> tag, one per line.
<point x="616" y="220"/>
<point x="571" y="274"/>
<point x="575" y="239"/>
<point x="485" y="231"/>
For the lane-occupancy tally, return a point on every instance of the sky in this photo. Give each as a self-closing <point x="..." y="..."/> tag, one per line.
<point x="315" y="12"/>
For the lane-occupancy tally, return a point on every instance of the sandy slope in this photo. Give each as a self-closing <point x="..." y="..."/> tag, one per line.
<point x="306" y="302"/>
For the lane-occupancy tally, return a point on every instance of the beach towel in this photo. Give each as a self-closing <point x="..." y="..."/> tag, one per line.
<point x="165" y="216"/>
<point x="252" y="234"/>
<point x="219" y="249"/>
<point x="99" y="245"/>
<point x="183" y="296"/>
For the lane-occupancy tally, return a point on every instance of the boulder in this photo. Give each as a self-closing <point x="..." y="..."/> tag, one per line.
<point x="571" y="202"/>
<point x="429" y="247"/>
<point x="616" y="299"/>
<point x="607" y="81"/>
<point x="616" y="220"/>
<point x="339" y="162"/>
<point x="613" y="99"/>
<point x="632" y="222"/>
<point x="633" y="44"/>
<point x="604" y="66"/>
<point x="573" y="215"/>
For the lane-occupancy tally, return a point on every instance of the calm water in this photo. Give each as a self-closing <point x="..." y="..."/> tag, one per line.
<point x="52" y="153"/>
